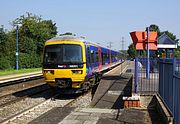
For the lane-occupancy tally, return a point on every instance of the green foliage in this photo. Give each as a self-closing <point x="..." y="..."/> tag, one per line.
<point x="155" y="28"/>
<point x="33" y="32"/>
<point x="177" y="52"/>
<point x="29" y="60"/>
<point x="5" y="63"/>
<point x="132" y="51"/>
<point x="5" y="57"/>
<point x="3" y="38"/>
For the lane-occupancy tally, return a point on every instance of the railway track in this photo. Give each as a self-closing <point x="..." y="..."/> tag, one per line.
<point x="17" y="86"/>
<point x="23" y="100"/>
<point x="20" y="95"/>
<point x="19" y="104"/>
<point x="16" y="93"/>
<point x="55" y="101"/>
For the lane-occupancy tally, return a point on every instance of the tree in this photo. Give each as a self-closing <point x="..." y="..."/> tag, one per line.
<point x="155" y="28"/>
<point x="177" y="52"/>
<point x="4" y="58"/>
<point x="33" y="32"/>
<point x="132" y="51"/>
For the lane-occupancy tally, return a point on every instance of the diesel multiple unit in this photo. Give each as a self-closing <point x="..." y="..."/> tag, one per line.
<point x="73" y="64"/>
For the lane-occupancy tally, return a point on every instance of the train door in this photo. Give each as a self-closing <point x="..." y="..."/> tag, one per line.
<point x="88" y="61"/>
<point x="100" y="58"/>
<point x="105" y="56"/>
<point x="91" y="59"/>
<point x="110" y="57"/>
<point x="93" y="62"/>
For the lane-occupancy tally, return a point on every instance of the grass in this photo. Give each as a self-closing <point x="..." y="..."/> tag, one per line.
<point x="8" y="72"/>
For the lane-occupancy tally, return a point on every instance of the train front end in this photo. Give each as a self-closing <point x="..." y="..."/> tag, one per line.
<point x="64" y="64"/>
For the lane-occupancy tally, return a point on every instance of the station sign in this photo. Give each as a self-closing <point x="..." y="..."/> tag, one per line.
<point x="140" y="40"/>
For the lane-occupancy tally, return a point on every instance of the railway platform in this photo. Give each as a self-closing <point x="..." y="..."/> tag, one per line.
<point x="106" y="106"/>
<point x="12" y="77"/>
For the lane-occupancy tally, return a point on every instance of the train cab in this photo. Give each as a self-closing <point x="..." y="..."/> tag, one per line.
<point x="64" y="63"/>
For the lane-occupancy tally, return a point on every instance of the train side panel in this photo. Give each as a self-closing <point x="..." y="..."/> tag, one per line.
<point x="99" y="59"/>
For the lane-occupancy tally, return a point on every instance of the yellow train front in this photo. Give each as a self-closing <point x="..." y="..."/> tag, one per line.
<point x="74" y="65"/>
<point x="64" y="63"/>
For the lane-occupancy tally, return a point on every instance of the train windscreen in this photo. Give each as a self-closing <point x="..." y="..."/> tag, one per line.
<point x="60" y="54"/>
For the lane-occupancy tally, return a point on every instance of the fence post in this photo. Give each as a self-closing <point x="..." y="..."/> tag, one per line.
<point x="148" y="61"/>
<point x="136" y="75"/>
<point x="174" y="69"/>
<point x="163" y="78"/>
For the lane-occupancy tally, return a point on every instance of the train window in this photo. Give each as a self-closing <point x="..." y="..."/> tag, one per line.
<point x="61" y="54"/>
<point x="97" y="56"/>
<point x="88" y="55"/>
<point x="92" y="56"/>
<point x="72" y="53"/>
<point x="51" y="54"/>
<point x="107" y="55"/>
<point x="104" y="56"/>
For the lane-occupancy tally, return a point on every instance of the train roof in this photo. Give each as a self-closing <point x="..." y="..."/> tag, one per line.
<point x="67" y="38"/>
<point x="74" y="38"/>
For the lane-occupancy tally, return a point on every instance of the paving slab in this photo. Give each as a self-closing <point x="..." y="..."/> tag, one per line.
<point x="54" y="116"/>
<point x="111" y="89"/>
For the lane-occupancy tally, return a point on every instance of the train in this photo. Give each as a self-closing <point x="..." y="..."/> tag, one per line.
<point x="73" y="64"/>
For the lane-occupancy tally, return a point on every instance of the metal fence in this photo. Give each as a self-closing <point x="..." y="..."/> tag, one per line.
<point x="169" y="85"/>
<point x="146" y="80"/>
<point x="163" y="76"/>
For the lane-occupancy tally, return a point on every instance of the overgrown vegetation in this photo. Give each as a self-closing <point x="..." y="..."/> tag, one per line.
<point x="33" y="32"/>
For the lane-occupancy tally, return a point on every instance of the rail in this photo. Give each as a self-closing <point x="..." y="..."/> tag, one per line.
<point x="16" y="80"/>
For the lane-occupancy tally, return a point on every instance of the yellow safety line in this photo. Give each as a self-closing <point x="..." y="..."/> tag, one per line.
<point x="116" y="69"/>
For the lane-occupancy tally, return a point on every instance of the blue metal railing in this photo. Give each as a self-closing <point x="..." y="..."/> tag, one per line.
<point x="146" y="83"/>
<point x="164" y="77"/>
<point x="169" y="85"/>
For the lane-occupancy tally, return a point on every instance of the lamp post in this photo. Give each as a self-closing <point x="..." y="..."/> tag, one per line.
<point x="17" y="65"/>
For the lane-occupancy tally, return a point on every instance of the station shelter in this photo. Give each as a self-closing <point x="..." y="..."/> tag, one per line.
<point x="166" y="46"/>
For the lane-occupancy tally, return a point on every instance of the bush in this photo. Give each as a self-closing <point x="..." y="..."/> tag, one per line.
<point x="5" y="63"/>
<point x="29" y="60"/>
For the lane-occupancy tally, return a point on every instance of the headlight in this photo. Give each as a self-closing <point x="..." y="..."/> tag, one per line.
<point x="49" y="71"/>
<point x="77" y="71"/>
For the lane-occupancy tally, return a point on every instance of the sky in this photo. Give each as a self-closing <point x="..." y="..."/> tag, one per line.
<point x="100" y="21"/>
